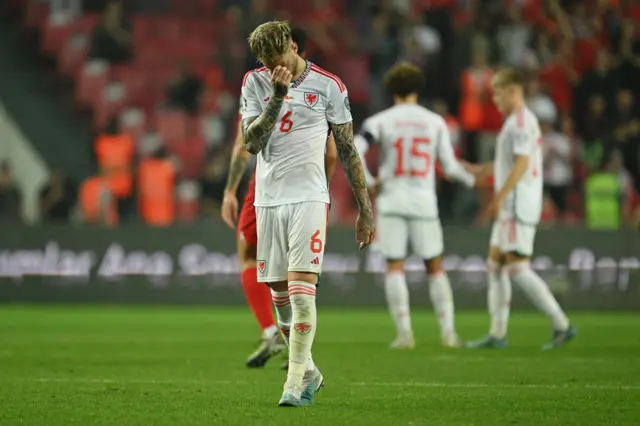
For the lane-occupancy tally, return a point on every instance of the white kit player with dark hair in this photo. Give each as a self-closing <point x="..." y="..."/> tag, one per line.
<point x="516" y="207"/>
<point x="288" y="109"/>
<point x="411" y="139"/>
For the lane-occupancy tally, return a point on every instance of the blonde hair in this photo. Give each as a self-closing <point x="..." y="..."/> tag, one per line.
<point x="508" y="77"/>
<point x="270" y="40"/>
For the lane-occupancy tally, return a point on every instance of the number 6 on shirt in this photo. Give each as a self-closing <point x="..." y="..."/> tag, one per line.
<point x="285" y="123"/>
<point x="417" y="153"/>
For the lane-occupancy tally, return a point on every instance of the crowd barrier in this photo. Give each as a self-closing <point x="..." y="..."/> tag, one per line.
<point x="198" y="265"/>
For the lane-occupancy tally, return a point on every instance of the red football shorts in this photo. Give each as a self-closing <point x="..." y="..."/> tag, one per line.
<point x="247" y="228"/>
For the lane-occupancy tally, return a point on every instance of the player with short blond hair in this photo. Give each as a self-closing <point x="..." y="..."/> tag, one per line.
<point x="412" y="139"/>
<point x="516" y="208"/>
<point x="288" y="108"/>
<point x="258" y="294"/>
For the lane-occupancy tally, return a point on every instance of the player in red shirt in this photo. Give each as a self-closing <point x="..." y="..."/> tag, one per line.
<point x="258" y="294"/>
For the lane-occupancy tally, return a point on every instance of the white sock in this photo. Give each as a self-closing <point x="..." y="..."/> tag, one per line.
<point x="303" y="303"/>
<point x="499" y="299"/>
<point x="283" y="312"/>
<point x="442" y="300"/>
<point x="395" y="289"/>
<point x="539" y="294"/>
<point x="269" y="332"/>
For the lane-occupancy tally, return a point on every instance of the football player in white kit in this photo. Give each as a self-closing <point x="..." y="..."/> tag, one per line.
<point x="411" y="139"/>
<point x="516" y="207"/>
<point x="288" y="108"/>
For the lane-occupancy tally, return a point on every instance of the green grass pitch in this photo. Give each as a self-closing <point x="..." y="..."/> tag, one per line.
<point x="137" y="366"/>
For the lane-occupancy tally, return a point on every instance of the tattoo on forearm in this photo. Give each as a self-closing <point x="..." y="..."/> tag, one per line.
<point x="350" y="160"/>
<point x="236" y="171"/>
<point x="257" y="130"/>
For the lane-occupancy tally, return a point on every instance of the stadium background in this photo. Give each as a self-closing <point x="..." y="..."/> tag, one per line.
<point x="160" y="79"/>
<point x="83" y="86"/>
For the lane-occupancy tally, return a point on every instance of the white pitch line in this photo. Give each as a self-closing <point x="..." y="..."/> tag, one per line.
<point x="343" y="383"/>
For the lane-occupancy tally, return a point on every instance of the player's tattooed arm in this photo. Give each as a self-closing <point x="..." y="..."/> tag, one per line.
<point x="237" y="168"/>
<point x="238" y="163"/>
<point x="256" y="131"/>
<point x="350" y="160"/>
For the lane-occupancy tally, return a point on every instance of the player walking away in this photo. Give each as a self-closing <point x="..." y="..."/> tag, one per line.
<point x="517" y="206"/>
<point x="289" y="106"/>
<point x="412" y="139"/>
<point x="258" y="295"/>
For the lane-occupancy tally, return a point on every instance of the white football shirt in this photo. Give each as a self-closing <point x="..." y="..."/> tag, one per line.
<point x="290" y="168"/>
<point x="411" y="139"/>
<point x="520" y="135"/>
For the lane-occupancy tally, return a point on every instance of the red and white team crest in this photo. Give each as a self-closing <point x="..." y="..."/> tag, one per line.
<point x="311" y="99"/>
<point x="302" y="327"/>
<point x="261" y="266"/>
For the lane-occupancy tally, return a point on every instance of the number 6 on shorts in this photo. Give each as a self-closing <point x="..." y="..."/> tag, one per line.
<point x="316" y="242"/>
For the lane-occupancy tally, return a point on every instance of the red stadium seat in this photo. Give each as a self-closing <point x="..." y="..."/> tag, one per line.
<point x="354" y="72"/>
<point x="153" y="52"/>
<point x="56" y="31"/>
<point x="136" y="81"/>
<point x="172" y="126"/>
<point x="36" y="14"/>
<point x="191" y="153"/>
<point x="72" y="55"/>
<point x="93" y="78"/>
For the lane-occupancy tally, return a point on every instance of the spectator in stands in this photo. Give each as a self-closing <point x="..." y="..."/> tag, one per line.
<point x="513" y="38"/>
<point x="156" y="189"/>
<point x="115" y="156"/>
<point x="97" y="204"/>
<point x="111" y="39"/>
<point x="558" y="167"/>
<point x="383" y="46"/>
<point x="627" y="132"/>
<point x="57" y="198"/>
<point x="602" y="80"/>
<point x="185" y="90"/>
<point x="10" y="199"/>
<point x="595" y="132"/>
<point x="540" y="103"/>
<point x="609" y="194"/>
<point x="628" y="48"/>
<point x="212" y="185"/>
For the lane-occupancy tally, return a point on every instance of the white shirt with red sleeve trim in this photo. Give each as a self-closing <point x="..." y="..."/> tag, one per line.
<point x="520" y="136"/>
<point x="290" y="168"/>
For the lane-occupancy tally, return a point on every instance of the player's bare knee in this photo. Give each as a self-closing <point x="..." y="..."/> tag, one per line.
<point x="279" y="286"/>
<point x="395" y="266"/>
<point x="308" y="277"/>
<point x="434" y="266"/>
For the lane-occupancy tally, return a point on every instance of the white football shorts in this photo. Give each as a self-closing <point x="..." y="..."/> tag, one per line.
<point x="509" y="235"/>
<point x="396" y="233"/>
<point x="291" y="237"/>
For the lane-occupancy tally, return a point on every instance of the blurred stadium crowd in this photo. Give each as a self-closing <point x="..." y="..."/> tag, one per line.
<point x="157" y="84"/>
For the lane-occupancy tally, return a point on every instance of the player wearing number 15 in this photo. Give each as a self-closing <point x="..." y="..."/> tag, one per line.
<point x="288" y="108"/>
<point x="412" y="139"/>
